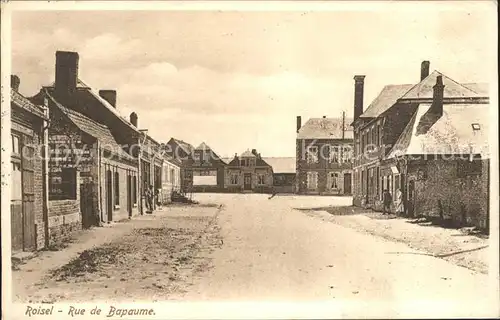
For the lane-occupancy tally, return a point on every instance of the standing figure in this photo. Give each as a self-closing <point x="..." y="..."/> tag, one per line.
<point x="398" y="202"/>
<point x="149" y="198"/>
<point x="387" y="201"/>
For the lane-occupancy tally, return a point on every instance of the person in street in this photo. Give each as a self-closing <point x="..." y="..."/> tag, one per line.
<point x="398" y="202"/>
<point x="149" y="198"/>
<point x="387" y="201"/>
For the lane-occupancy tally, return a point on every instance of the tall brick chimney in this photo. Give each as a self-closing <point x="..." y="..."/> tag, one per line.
<point x="109" y="96"/>
<point x="133" y="119"/>
<point x="299" y="123"/>
<point x="437" y="98"/>
<point x="359" y="83"/>
<point x="424" y="69"/>
<point x="66" y="72"/>
<point x="15" y="82"/>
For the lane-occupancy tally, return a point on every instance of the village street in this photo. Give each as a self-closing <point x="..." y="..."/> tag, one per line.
<point x="248" y="247"/>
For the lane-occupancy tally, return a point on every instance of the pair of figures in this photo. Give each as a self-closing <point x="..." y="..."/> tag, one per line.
<point x="398" y="202"/>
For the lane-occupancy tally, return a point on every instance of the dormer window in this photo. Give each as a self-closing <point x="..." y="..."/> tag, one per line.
<point x="476" y="126"/>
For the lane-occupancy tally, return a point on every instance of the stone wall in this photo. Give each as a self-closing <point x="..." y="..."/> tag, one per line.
<point x="463" y="197"/>
<point x="64" y="219"/>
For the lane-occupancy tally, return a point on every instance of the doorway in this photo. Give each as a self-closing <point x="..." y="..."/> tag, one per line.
<point x="411" y="198"/>
<point x="247" y="181"/>
<point x="129" y="195"/>
<point x="109" y="195"/>
<point x="347" y="183"/>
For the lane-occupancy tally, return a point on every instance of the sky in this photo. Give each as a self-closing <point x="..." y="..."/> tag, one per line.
<point x="237" y="79"/>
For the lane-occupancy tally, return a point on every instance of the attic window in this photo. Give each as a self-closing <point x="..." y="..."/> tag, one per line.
<point x="476" y="126"/>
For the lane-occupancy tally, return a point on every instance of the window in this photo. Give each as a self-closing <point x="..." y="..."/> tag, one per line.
<point x="312" y="154"/>
<point x="312" y="180"/>
<point x="243" y="162"/>
<point x="334" y="154"/>
<point x="62" y="184"/>
<point x="117" y="188"/>
<point x="16" y="145"/>
<point x="172" y="176"/>
<point x="234" y="178"/>
<point x="333" y="182"/>
<point x="346" y="154"/>
<point x="261" y="179"/>
<point x="134" y="190"/>
<point x="16" y="178"/>
<point x="196" y="156"/>
<point x="380" y="134"/>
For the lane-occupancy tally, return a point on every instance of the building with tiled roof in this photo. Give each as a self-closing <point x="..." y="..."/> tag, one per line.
<point x="125" y="166"/>
<point x="430" y="146"/>
<point x="324" y="156"/>
<point x="27" y="182"/>
<point x="248" y="172"/>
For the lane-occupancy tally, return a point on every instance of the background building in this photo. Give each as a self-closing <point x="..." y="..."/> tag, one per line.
<point x="324" y="156"/>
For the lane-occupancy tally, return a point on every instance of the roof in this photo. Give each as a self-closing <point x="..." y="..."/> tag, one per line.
<point x="386" y="99"/>
<point x="94" y="129"/>
<point x="87" y="89"/>
<point x="282" y="164"/>
<point x="188" y="148"/>
<point x="483" y="89"/>
<point x="203" y="146"/>
<point x="452" y="133"/>
<point x="25" y="104"/>
<point x="452" y="89"/>
<point x="325" y="128"/>
<point x="247" y="154"/>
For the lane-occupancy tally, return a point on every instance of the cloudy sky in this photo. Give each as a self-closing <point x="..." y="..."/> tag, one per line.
<point x="238" y="80"/>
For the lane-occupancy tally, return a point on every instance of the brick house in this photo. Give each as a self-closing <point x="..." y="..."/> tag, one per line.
<point x="204" y="170"/>
<point x="114" y="176"/>
<point x="443" y="154"/>
<point x="324" y="156"/>
<point x="385" y="124"/>
<point x="171" y="178"/>
<point x="248" y="172"/>
<point x="181" y="151"/>
<point x="29" y="225"/>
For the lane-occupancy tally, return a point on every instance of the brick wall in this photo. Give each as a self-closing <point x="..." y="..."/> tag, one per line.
<point x="120" y="211"/>
<point x="464" y="199"/>
<point x="323" y="167"/>
<point x="64" y="219"/>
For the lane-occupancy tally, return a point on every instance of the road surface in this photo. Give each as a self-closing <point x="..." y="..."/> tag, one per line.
<point x="275" y="253"/>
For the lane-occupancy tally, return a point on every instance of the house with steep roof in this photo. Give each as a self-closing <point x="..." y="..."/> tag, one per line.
<point x="181" y="151"/>
<point x="249" y="172"/>
<point x="324" y="148"/>
<point x="443" y="153"/>
<point x="203" y="170"/>
<point x="29" y="225"/>
<point x="115" y="179"/>
<point x="383" y="131"/>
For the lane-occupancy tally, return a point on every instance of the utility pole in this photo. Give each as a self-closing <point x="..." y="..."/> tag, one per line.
<point x="343" y="125"/>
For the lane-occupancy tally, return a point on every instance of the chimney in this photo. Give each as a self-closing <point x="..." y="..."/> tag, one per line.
<point x="133" y="119"/>
<point x="254" y="152"/>
<point x="424" y="70"/>
<point x="437" y="98"/>
<point x="15" y="82"/>
<point x="66" y="72"/>
<point x="359" y="82"/>
<point x="299" y="123"/>
<point x="109" y="96"/>
<point x="324" y="117"/>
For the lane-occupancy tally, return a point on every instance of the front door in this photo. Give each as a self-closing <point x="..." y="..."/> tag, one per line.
<point x="87" y="204"/>
<point x="129" y="195"/>
<point x="347" y="183"/>
<point x="247" y="182"/>
<point x="411" y="197"/>
<point x="109" y="195"/>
